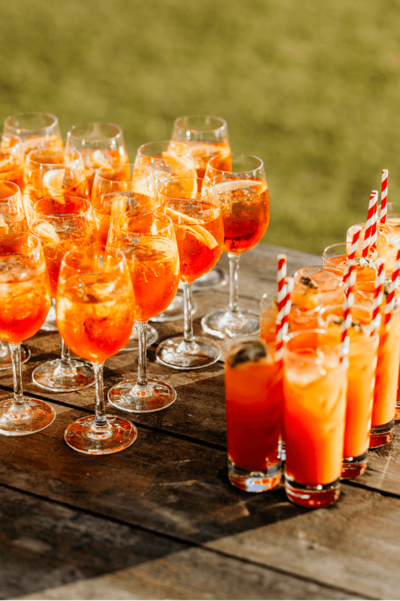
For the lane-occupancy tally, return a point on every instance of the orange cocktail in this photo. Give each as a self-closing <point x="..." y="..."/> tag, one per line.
<point x="36" y="130"/>
<point x="12" y="160"/>
<point x="364" y="339"/>
<point x="388" y="240"/>
<point x="317" y="280"/>
<point x="314" y="386"/>
<point x="335" y="259"/>
<point x="253" y="415"/>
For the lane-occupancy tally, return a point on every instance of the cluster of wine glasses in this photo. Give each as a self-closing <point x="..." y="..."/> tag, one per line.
<point x="95" y="246"/>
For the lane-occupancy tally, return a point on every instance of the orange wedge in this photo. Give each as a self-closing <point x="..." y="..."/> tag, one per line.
<point x="53" y="180"/>
<point x="47" y="231"/>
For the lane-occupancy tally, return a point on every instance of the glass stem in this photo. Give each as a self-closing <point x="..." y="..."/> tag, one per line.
<point x="65" y="352"/>
<point x="188" y="319"/>
<point x="233" y="282"/>
<point x="17" y="377"/>
<point x="142" y="364"/>
<point x="100" y="419"/>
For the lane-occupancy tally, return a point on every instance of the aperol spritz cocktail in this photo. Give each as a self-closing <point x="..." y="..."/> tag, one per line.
<point x="243" y="193"/>
<point x="62" y="223"/>
<point x="94" y="316"/>
<point x="149" y="244"/>
<point x="387" y="243"/>
<point x="335" y="259"/>
<point x="100" y="144"/>
<point x="12" y="160"/>
<point x="36" y="130"/>
<point x="25" y="301"/>
<point x="199" y="232"/>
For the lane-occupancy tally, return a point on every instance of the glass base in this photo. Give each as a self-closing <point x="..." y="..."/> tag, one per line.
<point x="312" y="496"/>
<point x="254" y="481"/>
<point x="216" y="278"/>
<point x="381" y="435"/>
<point x="175" y="311"/>
<point x="178" y="354"/>
<point x="63" y="376"/>
<point x="115" y="436"/>
<point x="50" y="325"/>
<point x="31" y="417"/>
<point x="129" y="396"/>
<point x="354" y="466"/>
<point x="216" y="322"/>
<point x="397" y="415"/>
<point x="133" y="342"/>
<point x="5" y="355"/>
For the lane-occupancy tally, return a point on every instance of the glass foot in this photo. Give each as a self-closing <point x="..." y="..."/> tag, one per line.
<point x="381" y="435"/>
<point x="84" y="436"/>
<point x="31" y="417"/>
<point x="178" y="354"/>
<point x="63" y="376"/>
<point x="5" y="355"/>
<point x="216" y="278"/>
<point x="174" y="311"/>
<point x="216" y="322"/>
<point x="254" y="481"/>
<point x="312" y="496"/>
<point x="354" y="466"/>
<point x="50" y="325"/>
<point x="133" y="343"/>
<point x="128" y="396"/>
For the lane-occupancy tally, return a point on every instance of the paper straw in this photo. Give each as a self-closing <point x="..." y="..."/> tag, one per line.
<point x="384" y="191"/>
<point x="348" y="304"/>
<point x="353" y="249"/>
<point x="390" y="303"/>
<point x="378" y="291"/>
<point x="368" y="226"/>
<point x="281" y="277"/>
<point x="374" y="227"/>
<point x="283" y="326"/>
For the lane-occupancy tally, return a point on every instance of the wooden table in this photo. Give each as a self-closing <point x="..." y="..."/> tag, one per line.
<point x="160" y="520"/>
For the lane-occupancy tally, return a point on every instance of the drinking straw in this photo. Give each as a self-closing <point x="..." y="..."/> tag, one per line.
<point x="348" y="304"/>
<point x="353" y="249"/>
<point x="281" y="277"/>
<point x="374" y="227"/>
<point x="368" y="228"/>
<point x="283" y="326"/>
<point x="392" y="291"/>
<point x="378" y="291"/>
<point x="385" y="176"/>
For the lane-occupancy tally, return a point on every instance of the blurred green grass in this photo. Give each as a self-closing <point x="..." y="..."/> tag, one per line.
<point x="312" y="88"/>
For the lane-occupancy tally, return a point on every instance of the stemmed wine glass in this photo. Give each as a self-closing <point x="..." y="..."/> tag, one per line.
<point x="12" y="159"/>
<point x="62" y="223"/>
<point x="36" y="130"/>
<point x="243" y="193"/>
<point x="199" y="232"/>
<point x="149" y="243"/>
<point x="12" y="222"/>
<point x="25" y="301"/>
<point x="168" y="159"/>
<point x="207" y="137"/>
<point x="53" y="172"/>
<point x="100" y="144"/>
<point x="94" y="314"/>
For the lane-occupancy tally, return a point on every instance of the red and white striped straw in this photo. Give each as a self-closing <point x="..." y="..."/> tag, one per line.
<point x="378" y="291"/>
<point x="353" y="249"/>
<point x="390" y="303"/>
<point x="348" y="304"/>
<point x="283" y="326"/>
<point x="368" y="226"/>
<point x="374" y="227"/>
<point x="384" y="192"/>
<point x="281" y="277"/>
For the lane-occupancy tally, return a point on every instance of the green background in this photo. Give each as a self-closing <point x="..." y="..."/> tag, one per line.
<point x="310" y="87"/>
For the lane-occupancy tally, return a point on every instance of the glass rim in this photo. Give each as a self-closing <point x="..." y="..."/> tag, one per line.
<point x="13" y="185"/>
<point x="373" y="324"/>
<point x="61" y="215"/>
<point x="179" y="120"/>
<point x="321" y="267"/>
<point x="346" y="245"/>
<point x="93" y="249"/>
<point x="168" y="142"/>
<point x="8" y="120"/>
<point x="237" y="154"/>
<point x="121" y="165"/>
<point x="27" y="234"/>
<point x="363" y="226"/>
<point x="78" y="157"/>
<point x="318" y="331"/>
<point x="210" y="184"/>
<point x="70" y="133"/>
<point x="167" y="220"/>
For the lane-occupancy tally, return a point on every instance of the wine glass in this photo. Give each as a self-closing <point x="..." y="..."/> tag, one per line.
<point x="199" y="232"/>
<point x="94" y="314"/>
<point x="36" y="130"/>
<point x="25" y="301"/>
<point x="110" y="197"/>
<point x="62" y="223"/>
<point x="53" y="172"/>
<point x="149" y="244"/>
<point x="12" y="160"/>
<point x="207" y="137"/>
<point x="243" y="193"/>
<point x="168" y="159"/>
<point x="101" y="145"/>
<point x="12" y="222"/>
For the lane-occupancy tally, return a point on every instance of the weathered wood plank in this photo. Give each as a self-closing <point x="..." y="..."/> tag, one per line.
<point x="54" y="552"/>
<point x="179" y="488"/>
